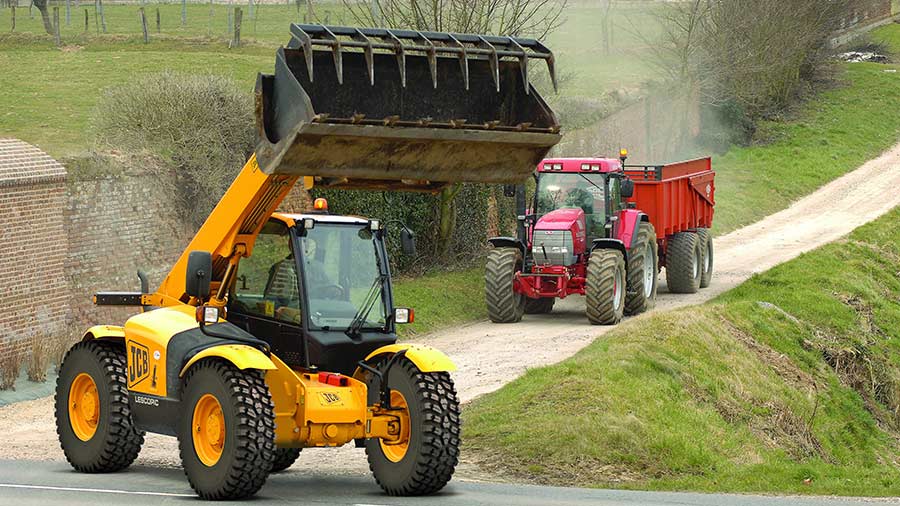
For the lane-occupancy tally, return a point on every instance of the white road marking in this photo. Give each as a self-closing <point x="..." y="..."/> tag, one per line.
<point x="94" y="490"/>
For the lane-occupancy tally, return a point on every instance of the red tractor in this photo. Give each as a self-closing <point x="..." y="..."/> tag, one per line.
<point x="603" y="229"/>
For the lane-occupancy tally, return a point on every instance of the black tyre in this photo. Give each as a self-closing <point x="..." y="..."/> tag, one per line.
<point x="426" y="461"/>
<point x="539" y="306"/>
<point x="605" y="287"/>
<point x="643" y="270"/>
<point x="683" y="260"/>
<point x="284" y="458"/>
<point x="227" y="430"/>
<point x="93" y="418"/>
<point x="504" y="305"/>
<point x="706" y="266"/>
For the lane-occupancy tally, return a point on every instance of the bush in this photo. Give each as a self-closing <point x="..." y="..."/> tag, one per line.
<point x="11" y="358"/>
<point x="201" y="127"/>
<point x="39" y="361"/>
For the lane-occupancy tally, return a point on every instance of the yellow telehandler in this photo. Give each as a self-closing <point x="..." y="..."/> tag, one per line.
<point x="276" y="332"/>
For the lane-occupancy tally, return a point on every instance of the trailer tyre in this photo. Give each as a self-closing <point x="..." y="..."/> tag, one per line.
<point x="503" y="303"/>
<point x="643" y="268"/>
<point x="425" y="461"/>
<point x="227" y="431"/>
<point x="684" y="260"/>
<point x="605" y="287"/>
<point x="284" y="458"/>
<point x="707" y="264"/>
<point x="93" y="417"/>
<point x="539" y="306"/>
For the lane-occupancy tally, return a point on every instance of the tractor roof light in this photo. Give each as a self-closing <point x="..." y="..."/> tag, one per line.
<point x="320" y="204"/>
<point x="309" y="223"/>
<point x="374" y="225"/>
<point x="595" y="167"/>
<point x="585" y="166"/>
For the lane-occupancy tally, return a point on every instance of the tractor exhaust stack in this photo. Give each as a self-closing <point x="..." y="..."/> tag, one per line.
<point x="399" y="109"/>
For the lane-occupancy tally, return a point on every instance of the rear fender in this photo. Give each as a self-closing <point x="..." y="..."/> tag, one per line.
<point x="507" y="242"/>
<point x="104" y="332"/>
<point x="426" y="358"/>
<point x="627" y="229"/>
<point x="241" y="355"/>
<point x="614" y="244"/>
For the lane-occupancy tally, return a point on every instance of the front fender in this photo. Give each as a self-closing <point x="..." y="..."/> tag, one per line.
<point x="241" y="355"/>
<point x="104" y="332"/>
<point x="426" y="358"/>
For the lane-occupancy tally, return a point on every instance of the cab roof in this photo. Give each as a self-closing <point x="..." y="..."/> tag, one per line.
<point x="580" y="165"/>
<point x="290" y="219"/>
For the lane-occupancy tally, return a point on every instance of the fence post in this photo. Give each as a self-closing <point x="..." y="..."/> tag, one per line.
<point x="13" y="19"/>
<point x="102" y="16"/>
<point x="250" y="6"/>
<point x="86" y="17"/>
<point x="209" y="26"/>
<point x="144" y="26"/>
<point x="230" y="20"/>
<point x="183" y="12"/>
<point x="56" y="26"/>
<point x="68" y="12"/>
<point x="158" y="24"/>
<point x="236" y="41"/>
<point x="97" y="16"/>
<point x="31" y="9"/>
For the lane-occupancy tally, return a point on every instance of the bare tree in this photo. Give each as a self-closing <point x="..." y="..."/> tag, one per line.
<point x="45" y="15"/>
<point x="606" y="25"/>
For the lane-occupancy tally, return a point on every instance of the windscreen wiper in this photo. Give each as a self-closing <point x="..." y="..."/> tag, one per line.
<point x="368" y="303"/>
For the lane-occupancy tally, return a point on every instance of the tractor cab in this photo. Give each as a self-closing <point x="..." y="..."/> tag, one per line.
<point x="317" y="288"/>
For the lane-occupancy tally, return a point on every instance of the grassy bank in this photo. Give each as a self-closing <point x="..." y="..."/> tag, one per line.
<point x="441" y="299"/>
<point x="789" y="383"/>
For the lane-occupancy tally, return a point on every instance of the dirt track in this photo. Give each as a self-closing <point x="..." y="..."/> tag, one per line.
<point x="488" y="355"/>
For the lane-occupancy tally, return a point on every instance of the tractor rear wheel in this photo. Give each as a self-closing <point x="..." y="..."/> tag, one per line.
<point x="504" y="305"/>
<point x="227" y="430"/>
<point x="539" y="306"/>
<point x="707" y="264"/>
<point x="285" y="458"/>
<point x="642" y="271"/>
<point x="424" y="458"/>
<point x="684" y="259"/>
<point x="605" y="287"/>
<point x="93" y="418"/>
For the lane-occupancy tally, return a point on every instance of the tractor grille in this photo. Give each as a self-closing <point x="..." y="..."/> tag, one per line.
<point x="557" y="244"/>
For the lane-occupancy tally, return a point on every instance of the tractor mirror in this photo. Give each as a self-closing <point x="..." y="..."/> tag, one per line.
<point x="199" y="274"/>
<point x="627" y="189"/>
<point x="509" y="190"/>
<point x="408" y="242"/>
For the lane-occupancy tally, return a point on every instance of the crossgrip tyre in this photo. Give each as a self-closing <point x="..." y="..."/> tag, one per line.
<point x="284" y="458"/>
<point x="642" y="271"/>
<point x="684" y="258"/>
<point x="539" y="306"/>
<point x="706" y="245"/>
<point x="98" y="410"/>
<point x="504" y="305"/>
<point x="605" y="287"/>
<point x="226" y="454"/>
<point x="426" y="463"/>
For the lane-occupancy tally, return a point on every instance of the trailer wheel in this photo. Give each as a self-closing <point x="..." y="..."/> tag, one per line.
<point x="605" y="287"/>
<point x="93" y="418"/>
<point x="707" y="264"/>
<point x="539" y="306"/>
<point x="285" y="458"/>
<point x="642" y="271"/>
<point x="227" y="432"/>
<point x="423" y="461"/>
<point x="684" y="260"/>
<point x="503" y="303"/>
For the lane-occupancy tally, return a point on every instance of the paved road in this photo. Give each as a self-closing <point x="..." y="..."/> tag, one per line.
<point x="41" y="483"/>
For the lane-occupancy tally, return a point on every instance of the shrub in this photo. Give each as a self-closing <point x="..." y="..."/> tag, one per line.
<point x="201" y="127"/>
<point x="39" y="361"/>
<point x="11" y="358"/>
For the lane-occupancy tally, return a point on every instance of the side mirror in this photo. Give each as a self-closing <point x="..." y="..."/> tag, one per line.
<point x="199" y="274"/>
<point x="509" y="190"/>
<point x="408" y="242"/>
<point x="627" y="188"/>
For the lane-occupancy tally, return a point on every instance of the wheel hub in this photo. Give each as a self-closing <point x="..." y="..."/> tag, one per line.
<point x="617" y="290"/>
<point x="649" y="271"/>
<point x="84" y="407"/>
<point x="209" y="430"/>
<point x="396" y="450"/>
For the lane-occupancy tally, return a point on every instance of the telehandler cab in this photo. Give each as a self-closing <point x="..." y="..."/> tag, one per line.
<point x="276" y="332"/>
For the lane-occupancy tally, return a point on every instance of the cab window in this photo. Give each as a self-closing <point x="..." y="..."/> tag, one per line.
<point x="267" y="282"/>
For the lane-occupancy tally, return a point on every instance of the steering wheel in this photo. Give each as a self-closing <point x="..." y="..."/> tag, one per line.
<point x="332" y="291"/>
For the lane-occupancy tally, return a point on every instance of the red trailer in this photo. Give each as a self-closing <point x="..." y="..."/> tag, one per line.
<point x="600" y="228"/>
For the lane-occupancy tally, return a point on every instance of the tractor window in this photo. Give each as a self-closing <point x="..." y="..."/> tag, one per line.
<point x="267" y="280"/>
<point x="574" y="190"/>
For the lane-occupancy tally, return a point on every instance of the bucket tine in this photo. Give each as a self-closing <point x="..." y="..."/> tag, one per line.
<point x="523" y="63"/>
<point x="306" y="43"/>
<point x="551" y="62"/>
<point x="431" y="52"/>
<point x="463" y="60"/>
<point x="336" y="52"/>
<point x="494" y="58"/>
<point x="401" y="57"/>
<point x="370" y="54"/>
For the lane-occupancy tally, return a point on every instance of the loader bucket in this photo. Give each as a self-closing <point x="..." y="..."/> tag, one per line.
<point x="397" y="109"/>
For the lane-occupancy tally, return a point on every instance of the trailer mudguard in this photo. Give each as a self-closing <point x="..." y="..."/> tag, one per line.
<point x="426" y="358"/>
<point x="610" y="244"/>
<point x="507" y="242"/>
<point x="241" y="355"/>
<point x="104" y="332"/>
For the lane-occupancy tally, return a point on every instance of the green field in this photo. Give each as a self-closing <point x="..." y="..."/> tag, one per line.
<point x="788" y="384"/>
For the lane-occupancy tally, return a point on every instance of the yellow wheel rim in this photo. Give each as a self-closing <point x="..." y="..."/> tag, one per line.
<point x="208" y="432"/>
<point x="396" y="450"/>
<point x="84" y="407"/>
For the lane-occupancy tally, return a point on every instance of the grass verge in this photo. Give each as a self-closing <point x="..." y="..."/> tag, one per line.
<point x="789" y="383"/>
<point x="441" y="299"/>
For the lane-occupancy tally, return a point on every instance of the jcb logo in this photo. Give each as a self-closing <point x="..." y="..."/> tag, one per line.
<point x="329" y="398"/>
<point x="138" y="363"/>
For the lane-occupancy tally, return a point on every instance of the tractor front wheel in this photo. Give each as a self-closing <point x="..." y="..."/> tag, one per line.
<point x="504" y="305"/>
<point x="227" y="430"/>
<point x="605" y="287"/>
<point x="642" y="271"/>
<point x="422" y="461"/>
<point x="707" y="264"/>
<point x="93" y="418"/>
<point x="684" y="260"/>
<point x="539" y="306"/>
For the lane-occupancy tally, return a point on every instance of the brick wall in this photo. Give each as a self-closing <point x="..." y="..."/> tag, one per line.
<point x="33" y="244"/>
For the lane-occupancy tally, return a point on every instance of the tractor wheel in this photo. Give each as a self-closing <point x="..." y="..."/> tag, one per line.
<point x="643" y="269"/>
<point x="424" y="459"/>
<point x="683" y="263"/>
<point x="227" y="432"/>
<point x="93" y="418"/>
<point x="504" y="305"/>
<point x="707" y="264"/>
<point x="605" y="287"/>
<point x="539" y="306"/>
<point x="285" y="458"/>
